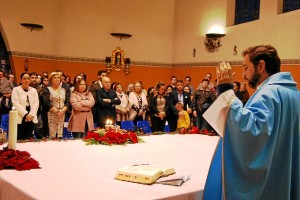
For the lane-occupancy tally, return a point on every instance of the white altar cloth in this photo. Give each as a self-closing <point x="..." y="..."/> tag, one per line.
<point x="72" y="170"/>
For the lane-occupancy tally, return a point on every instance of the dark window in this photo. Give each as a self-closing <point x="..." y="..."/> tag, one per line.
<point x="4" y="58"/>
<point x="246" y="11"/>
<point x="290" y="5"/>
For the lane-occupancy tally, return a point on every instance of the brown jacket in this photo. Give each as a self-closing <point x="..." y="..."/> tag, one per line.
<point x="82" y="104"/>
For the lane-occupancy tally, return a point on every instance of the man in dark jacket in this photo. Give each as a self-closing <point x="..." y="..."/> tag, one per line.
<point x="106" y="99"/>
<point x="178" y="96"/>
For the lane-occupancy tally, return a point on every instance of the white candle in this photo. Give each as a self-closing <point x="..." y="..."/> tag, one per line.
<point x="13" y="125"/>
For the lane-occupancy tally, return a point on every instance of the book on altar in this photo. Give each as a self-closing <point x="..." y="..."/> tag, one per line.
<point x="176" y="180"/>
<point x="144" y="174"/>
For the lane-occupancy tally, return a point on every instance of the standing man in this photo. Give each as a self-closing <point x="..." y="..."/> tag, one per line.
<point x="11" y="78"/>
<point x="258" y="156"/>
<point x="188" y="81"/>
<point x="203" y="98"/>
<point x="174" y="82"/>
<point x="34" y="84"/>
<point x="236" y="89"/>
<point x="210" y="86"/>
<point x="245" y="93"/>
<point x="107" y="100"/>
<point x="6" y="88"/>
<point x="96" y="87"/>
<point x="178" y="96"/>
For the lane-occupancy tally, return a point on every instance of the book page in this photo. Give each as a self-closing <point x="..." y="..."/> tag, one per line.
<point x="176" y="180"/>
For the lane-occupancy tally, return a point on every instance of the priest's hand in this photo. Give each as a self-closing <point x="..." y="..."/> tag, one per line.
<point x="224" y="73"/>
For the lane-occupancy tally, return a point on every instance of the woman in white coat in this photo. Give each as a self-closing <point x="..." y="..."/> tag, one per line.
<point x="25" y="99"/>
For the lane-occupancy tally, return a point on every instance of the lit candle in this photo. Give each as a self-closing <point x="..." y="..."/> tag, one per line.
<point x="13" y="125"/>
<point x="107" y="121"/>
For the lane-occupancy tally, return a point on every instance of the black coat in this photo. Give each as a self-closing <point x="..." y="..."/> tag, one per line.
<point x="106" y="110"/>
<point x="173" y="99"/>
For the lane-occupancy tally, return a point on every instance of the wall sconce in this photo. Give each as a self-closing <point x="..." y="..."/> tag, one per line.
<point x="117" y="62"/>
<point x="213" y="42"/>
<point x="32" y="26"/>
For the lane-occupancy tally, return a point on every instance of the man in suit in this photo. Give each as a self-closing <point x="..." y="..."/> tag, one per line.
<point x="178" y="96"/>
<point x="96" y="87"/>
<point x="107" y="100"/>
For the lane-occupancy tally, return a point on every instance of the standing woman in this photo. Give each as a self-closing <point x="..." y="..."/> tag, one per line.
<point x="56" y="102"/>
<point x="137" y="103"/>
<point x="82" y="101"/>
<point x="121" y="110"/>
<point x="158" y="104"/>
<point x="26" y="101"/>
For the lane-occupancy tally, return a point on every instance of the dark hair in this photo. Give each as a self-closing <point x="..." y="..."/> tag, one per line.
<point x="268" y="54"/>
<point x="188" y="78"/>
<point x="69" y="79"/>
<point x="74" y="80"/>
<point x="21" y="76"/>
<point x="205" y="79"/>
<point x="101" y="72"/>
<point x="179" y="81"/>
<point x="150" y="91"/>
<point x="169" y="86"/>
<point x="84" y="76"/>
<point x="116" y="84"/>
<point x="32" y="73"/>
<point x="77" y="85"/>
<point x="238" y="84"/>
<point x="173" y="77"/>
<point x="159" y="84"/>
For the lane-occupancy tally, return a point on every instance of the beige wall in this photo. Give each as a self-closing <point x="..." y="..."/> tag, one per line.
<point x="82" y="28"/>
<point x="163" y="30"/>
<point x="194" y="19"/>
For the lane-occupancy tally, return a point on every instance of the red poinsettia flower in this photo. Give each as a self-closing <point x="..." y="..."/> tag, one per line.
<point x="15" y="159"/>
<point x="133" y="137"/>
<point x="110" y="137"/>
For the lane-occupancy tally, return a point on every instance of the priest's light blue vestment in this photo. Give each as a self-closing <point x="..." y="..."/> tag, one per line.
<point x="259" y="154"/>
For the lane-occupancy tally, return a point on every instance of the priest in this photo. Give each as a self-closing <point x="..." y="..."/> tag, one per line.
<point x="258" y="155"/>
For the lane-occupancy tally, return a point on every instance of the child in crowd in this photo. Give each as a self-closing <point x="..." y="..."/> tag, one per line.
<point x="183" y="122"/>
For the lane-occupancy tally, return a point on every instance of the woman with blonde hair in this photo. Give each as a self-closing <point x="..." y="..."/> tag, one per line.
<point x="137" y="103"/>
<point x="82" y="101"/>
<point x="56" y="102"/>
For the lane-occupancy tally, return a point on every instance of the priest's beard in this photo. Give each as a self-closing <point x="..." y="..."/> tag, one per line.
<point x="254" y="80"/>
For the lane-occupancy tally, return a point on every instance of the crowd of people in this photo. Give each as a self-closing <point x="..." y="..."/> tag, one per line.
<point x="46" y="101"/>
<point x="260" y="138"/>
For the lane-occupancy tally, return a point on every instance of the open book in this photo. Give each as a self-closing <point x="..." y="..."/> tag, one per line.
<point x="175" y="180"/>
<point x="144" y="174"/>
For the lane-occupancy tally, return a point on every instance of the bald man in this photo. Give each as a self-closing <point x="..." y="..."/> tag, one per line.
<point x="107" y="100"/>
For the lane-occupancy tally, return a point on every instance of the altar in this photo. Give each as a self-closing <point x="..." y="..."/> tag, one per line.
<point x="72" y="170"/>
